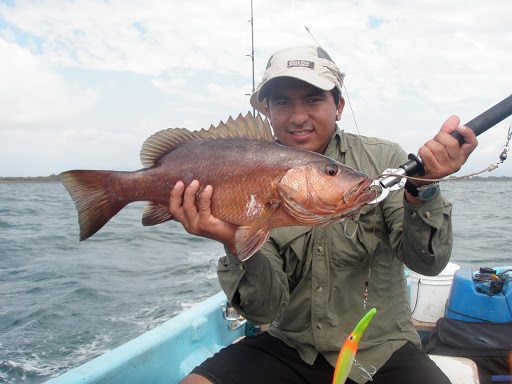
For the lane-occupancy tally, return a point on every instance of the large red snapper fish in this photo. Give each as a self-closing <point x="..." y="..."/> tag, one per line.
<point x="257" y="183"/>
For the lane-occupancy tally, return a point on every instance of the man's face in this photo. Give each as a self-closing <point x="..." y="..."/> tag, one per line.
<point x="302" y="116"/>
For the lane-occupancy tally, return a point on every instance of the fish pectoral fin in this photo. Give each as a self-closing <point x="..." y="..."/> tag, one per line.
<point x="155" y="214"/>
<point x="246" y="245"/>
<point x="250" y="238"/>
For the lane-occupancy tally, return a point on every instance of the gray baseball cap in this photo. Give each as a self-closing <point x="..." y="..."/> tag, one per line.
<point x="311" y="64"/>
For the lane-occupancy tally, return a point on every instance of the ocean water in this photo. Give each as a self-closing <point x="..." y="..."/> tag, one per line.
<point x="64" y="302"/>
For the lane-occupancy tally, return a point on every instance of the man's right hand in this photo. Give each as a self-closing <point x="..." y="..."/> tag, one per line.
<point x="197" y="219"/>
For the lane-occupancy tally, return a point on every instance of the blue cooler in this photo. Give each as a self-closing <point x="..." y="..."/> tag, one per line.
<point x="481" y="297"/>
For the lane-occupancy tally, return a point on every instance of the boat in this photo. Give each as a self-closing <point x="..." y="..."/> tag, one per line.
<point x="167" y="353"/>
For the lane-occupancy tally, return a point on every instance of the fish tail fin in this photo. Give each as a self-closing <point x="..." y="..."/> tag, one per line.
<point x="90" y="191"/>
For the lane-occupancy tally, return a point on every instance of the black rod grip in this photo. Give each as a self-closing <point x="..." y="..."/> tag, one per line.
<point x="488" y="119"/>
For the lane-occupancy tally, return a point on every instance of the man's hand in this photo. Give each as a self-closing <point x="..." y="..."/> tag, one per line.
<point x="442" y="155"/>
<point x="198" y="219"/>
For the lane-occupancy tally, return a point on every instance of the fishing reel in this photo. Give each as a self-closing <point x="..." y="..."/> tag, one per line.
<point x="489" y="282"/>
<point x="235" y="320"/>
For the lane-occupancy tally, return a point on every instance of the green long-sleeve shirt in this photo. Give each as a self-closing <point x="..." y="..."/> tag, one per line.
<point x="309" y="282"/>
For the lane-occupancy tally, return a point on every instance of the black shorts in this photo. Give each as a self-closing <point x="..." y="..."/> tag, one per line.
<point x="265" y="359"/>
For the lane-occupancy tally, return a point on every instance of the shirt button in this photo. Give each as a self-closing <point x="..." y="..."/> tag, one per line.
<point x="413" y="214"/>
<point x="242" y="267"/>
<point x="320" y="249"/>
<point x="319" y="326"/>
<point x="319" y="289"/>
<point x="427" y="214"/>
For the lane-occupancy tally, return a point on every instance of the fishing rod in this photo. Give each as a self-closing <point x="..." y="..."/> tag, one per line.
<point x="480" y="124"/>
<point x="252" y="55"/>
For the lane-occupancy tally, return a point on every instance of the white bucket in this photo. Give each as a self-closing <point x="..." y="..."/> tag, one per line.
<point x="429" y="294"/>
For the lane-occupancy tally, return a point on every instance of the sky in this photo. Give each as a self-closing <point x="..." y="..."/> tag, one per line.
<point x="83" y="83"/>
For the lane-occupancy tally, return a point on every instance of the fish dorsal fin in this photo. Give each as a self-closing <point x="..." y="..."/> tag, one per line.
<point x="160" y="143"/>
<point x="157" y="145"/>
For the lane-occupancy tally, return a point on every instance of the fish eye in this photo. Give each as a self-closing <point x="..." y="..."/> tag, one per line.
<point x="331" y="170"/>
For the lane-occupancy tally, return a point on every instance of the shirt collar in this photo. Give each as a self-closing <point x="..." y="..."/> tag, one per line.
<point x="336" y="145"/>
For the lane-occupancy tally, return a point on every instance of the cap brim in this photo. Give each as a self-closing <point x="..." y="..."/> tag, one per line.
<point x="258" y="97"/>
<point x="307" y="77"/>
<point x="260" y="106"/>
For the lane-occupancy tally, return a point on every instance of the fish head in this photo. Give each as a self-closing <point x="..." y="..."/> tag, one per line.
<point x="323" y="192"/>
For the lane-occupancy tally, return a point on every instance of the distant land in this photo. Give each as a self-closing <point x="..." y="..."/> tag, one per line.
<point x="37" y="179"/>
<point x="55" y="179"/>
<point x="488" y="178"/>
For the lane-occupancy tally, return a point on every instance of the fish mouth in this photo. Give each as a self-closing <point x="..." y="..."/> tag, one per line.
<point x="360" y="193"/>
<point x="354" y="199"/>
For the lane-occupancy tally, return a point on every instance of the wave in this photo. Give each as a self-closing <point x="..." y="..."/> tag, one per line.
<point x="14" y="372"/>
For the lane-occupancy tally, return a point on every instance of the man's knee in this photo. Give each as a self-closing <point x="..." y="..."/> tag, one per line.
<point x="195" y="379"/>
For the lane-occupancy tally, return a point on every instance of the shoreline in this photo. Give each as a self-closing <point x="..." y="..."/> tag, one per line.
<point x="30" y="182"/>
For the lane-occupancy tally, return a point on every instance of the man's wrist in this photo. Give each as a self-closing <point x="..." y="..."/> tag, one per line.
<point x="421" y="193"/>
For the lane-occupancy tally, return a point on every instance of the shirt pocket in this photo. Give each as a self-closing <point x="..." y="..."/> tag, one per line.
<point x="294" y="248"/>
<point x="352" y="241"/>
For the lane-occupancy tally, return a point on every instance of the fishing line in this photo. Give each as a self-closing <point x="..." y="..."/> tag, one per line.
<point x="357" y="127"/>
<point x="307" y="29"/>
<point x="490" y="168"/>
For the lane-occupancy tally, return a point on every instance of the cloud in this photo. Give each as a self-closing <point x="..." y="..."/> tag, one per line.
<point x="33" y="93"/>
<point x="148" y="38"/>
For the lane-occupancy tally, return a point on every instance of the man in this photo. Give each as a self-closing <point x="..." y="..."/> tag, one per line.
<point x="313" y="284"/>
